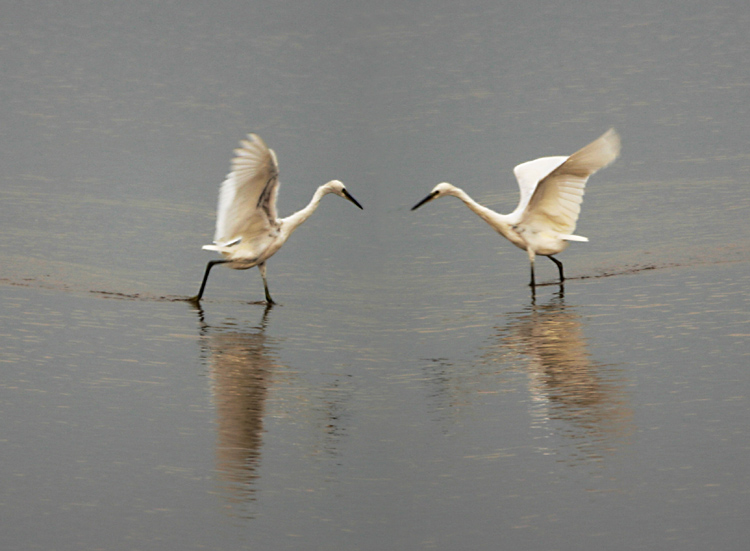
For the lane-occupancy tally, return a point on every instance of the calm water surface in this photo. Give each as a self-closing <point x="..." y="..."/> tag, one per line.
<point x="408" y="392"/>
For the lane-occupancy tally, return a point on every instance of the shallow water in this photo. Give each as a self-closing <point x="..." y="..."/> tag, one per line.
<point x="408" y="392"/>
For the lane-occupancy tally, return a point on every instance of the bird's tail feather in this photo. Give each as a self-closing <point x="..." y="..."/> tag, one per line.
<point x="222" y="247"/>
<point x="567" y="237"/>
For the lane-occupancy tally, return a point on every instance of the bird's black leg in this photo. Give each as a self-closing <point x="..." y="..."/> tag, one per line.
<point x="532" y="283"/>
<point x="210" y="265"/>
<point x="559" y="267"/>
<point x="262" y="268"/>
<point x="269" y="300"/>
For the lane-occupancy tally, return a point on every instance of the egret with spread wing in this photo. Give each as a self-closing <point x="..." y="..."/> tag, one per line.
<point x="551" y="194"/>
<point x="248" y="231"/>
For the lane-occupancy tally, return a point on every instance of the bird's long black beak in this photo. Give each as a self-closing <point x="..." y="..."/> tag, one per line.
<point x="352" y="199"/>
<point x="427" y="199"/>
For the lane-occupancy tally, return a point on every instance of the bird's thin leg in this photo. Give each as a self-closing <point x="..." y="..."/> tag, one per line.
<point x="210" y="265"/>
<point x="262" y="268"/>
<point x="559" y="267"/>
<point x="532" y="283"/>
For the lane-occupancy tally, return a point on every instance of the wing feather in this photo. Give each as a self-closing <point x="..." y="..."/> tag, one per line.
<point x="529" y="174"/>
<point x="555" y="203"/>
<point x="247" y="197"/>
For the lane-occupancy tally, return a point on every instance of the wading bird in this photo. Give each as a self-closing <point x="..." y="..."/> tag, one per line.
<point x="551" y="195"/>
<point x="248" y="231"/>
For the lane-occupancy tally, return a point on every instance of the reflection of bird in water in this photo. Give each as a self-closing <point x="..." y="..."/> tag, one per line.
<point x="245" y="372"/>
<point x="565" y="383"/>
<point x="551" y="194"/>
<point x="242" y="365"/>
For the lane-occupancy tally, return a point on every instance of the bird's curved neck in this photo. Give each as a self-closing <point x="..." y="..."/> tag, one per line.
<point x="494" y="219"/>
<point x="293" y="221"/>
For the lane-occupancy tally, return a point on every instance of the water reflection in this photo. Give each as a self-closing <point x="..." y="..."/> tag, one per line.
<point x="335" y="418"/>
<point x="241" y="364"/>
<point x="579" y="407"/>
<point x="248" y="383"/>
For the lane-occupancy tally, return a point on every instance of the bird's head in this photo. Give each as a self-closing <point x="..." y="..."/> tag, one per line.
<point x="334" y="186"/>
<point x="439" y="191"/>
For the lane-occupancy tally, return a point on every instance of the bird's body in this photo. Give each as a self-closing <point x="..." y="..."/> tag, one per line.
<point x="248" y="230"/>
<point x="551" y="194"/>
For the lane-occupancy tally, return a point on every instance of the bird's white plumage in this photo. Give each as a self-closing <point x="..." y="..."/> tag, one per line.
<point x="556" y="201"/>
<point x="551" y="191"/>
<point x="248" y="230"/>
<point x="529" y="174"/>
<point x="247" y="197"/>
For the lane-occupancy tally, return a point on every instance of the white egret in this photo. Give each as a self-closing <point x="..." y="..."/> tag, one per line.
<point x="248" y="231"/>
<point x="551" y="194"/>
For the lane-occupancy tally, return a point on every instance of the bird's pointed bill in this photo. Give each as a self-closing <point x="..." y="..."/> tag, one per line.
<point x="352" y="199"/>
<point x="427" y="199"/>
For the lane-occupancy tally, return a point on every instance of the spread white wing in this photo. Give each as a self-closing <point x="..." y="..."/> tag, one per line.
<point x="529" y="174"/>
<point x="247" y="198"/>
<point x="556" y="200"/>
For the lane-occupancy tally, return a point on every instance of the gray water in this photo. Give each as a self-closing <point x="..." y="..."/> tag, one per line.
<point x="408" y="392"/>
